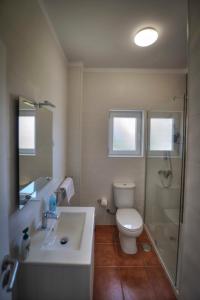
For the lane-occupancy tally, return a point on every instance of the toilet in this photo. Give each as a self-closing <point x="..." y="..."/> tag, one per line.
<point x="128" y="219"/>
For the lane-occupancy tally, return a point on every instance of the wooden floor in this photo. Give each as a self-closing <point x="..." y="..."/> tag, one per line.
<point x="119" y="276"/>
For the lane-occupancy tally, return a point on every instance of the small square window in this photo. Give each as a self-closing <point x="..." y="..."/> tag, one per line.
<point x="124" y="137"/>
<point x="164" y="132"/>
<point x="125" y="133"/>
<point x="161" y="134"/>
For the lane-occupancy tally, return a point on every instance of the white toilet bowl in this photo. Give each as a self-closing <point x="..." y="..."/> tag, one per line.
<point x="130" y="226"/>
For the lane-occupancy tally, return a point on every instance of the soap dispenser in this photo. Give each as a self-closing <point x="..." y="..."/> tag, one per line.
<point x="25" y="244"/>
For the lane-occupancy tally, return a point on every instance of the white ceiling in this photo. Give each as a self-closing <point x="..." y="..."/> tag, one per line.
<point x="98" y="32"/>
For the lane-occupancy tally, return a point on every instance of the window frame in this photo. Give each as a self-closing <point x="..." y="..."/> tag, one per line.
<point x="177" y="123"/>
<point x="26" y="151"/>
<point x="139" y="115"/>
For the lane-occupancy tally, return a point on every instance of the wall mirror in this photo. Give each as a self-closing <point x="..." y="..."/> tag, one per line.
<point x="35" y="147"/>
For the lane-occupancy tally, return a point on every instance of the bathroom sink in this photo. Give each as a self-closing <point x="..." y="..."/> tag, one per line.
<point x="67" y="240"/>
<point x="66" y="233"/>
<point x="61" y="258"/>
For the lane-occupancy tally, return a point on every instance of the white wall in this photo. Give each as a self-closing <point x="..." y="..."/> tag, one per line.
<point x="105" y="89"/>
<point x="190" y="263"/>
<point x="40" y="165"/>
<point x="4" y="146"/>
<point x="75" y="94"/>
<point x="37" y="69"/>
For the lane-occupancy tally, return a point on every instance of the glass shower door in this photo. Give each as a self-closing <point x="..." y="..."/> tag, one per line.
<point x="163" y="184"/>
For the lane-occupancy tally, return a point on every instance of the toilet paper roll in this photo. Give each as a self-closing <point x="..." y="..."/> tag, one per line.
<point x="104" y="202"/>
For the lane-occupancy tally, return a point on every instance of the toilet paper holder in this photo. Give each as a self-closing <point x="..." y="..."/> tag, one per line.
<point x="103" y="202"/>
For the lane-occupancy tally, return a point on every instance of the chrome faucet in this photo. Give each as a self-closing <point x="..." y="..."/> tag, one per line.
<point x="47" y="215"/>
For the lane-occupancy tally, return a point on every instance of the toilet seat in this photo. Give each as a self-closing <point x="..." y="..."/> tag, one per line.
<point x="129" y="219"/>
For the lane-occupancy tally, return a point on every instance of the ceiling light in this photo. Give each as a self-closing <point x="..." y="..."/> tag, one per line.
<point x="146" y="37"/>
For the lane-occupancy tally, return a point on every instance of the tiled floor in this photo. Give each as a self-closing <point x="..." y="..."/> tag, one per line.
<point x="119" y="276"/>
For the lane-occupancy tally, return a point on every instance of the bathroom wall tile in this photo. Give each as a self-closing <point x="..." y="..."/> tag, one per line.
<point x="192" y="186"/>
<point x="190" y="287"/>
<point x="193" y="138"/>
<point x="135" y="284"/>
<point x="107" y="285"/>
<point x="160" y="283"/>
<point x="194" y="104"/>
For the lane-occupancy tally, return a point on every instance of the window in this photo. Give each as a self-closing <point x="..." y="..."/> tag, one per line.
<point x="161" y="134"/>
<point x="164" y="133"/>
<point x="125" y="133"/>
<point x="27" y="132"/>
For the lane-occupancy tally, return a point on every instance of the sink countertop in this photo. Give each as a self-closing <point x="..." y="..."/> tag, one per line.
<point x="39" y="254"/>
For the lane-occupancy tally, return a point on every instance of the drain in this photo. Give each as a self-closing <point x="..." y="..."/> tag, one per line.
<point x="64" y="241"/>
<point x="146" y="247"/>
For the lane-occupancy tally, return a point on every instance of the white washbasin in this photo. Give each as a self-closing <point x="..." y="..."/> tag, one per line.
<point x="52" y="269"/>
<point x="76" y="225"/>
<point x="66" y="233"/>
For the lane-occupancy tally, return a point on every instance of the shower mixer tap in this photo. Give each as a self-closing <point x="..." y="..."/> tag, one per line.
<point x="165" y="173"/>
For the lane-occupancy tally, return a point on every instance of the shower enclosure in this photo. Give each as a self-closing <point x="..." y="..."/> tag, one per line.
<point x="164" y="184"/>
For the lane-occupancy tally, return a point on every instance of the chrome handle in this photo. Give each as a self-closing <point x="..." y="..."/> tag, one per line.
<point x="12" y="277"/>
<point x="10" y="267"/>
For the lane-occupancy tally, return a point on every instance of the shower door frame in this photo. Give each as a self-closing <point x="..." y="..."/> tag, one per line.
<point x="175" y="281"/>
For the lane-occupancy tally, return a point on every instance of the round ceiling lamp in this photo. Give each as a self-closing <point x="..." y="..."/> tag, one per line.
<point x="146" y="37"/>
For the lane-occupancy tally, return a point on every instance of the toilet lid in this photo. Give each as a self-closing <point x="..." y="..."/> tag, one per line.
<point x="129" y="218"/>
<point x="122" y="185"/>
